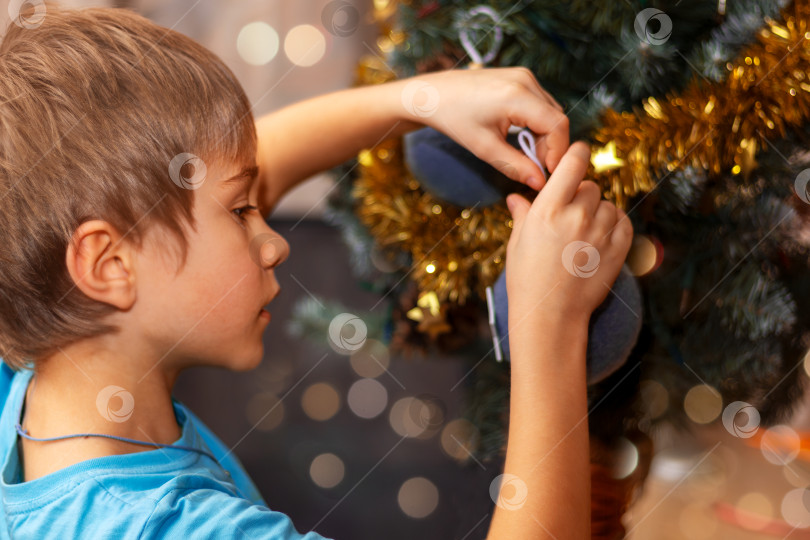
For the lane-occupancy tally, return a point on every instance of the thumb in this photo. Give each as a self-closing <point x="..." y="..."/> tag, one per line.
<point x="518" y="207"/>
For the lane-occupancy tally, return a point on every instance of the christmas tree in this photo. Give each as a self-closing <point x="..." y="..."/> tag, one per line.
<point x="697" y="113"/>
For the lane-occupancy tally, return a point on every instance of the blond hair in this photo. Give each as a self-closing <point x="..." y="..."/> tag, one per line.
<point x="94" y="105"/>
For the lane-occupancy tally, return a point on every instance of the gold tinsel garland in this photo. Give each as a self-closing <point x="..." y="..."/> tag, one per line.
<point x="717" y="127"/>
<point x="452" y="248"/>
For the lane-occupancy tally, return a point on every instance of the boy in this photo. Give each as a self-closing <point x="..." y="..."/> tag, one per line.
<point x="134" y="195"/>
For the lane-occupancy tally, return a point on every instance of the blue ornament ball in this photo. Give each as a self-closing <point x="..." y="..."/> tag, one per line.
<point x="612" y="332"/>
<point x="450" y="172"/>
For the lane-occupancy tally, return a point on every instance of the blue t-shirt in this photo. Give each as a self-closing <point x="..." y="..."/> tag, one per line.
<point x="158" y="493"/>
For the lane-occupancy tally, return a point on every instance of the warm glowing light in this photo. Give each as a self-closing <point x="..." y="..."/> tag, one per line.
<point x="780" y="444"/>
<point x="703" y="404"/>
<point x="754" y="511"/>
<point x="371" y="360"/>
<point x="418" y="497"/>
<point x="627" y="459"/>
<point x="367" y="398"/>
<point x="304" y="45"/>
<point x="327" y="470"/>
<point x="257" y="43"/>
<point x="646" y="254"/>
<point x="459" y="439"/>
<point x="320" y="401"/>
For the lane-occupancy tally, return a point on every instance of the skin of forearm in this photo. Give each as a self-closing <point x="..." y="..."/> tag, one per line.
<point x="317" y="134"/>
<point x="547" y="445"/>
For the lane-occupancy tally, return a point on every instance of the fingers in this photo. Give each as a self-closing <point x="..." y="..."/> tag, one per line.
<point x="622" y="234"/>
<point x="564" y="183"/>
<point x="527" y="78"/>
<point x="588" y="196"/>
<point x="512" y="162"/>
<point x="518" y="207"/>
<point x="543" y="119"/>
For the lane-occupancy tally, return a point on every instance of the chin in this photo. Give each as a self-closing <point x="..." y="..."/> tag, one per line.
<point x="246" y="363"/>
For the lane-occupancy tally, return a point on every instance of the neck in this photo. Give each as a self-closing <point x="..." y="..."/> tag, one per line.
<point x="86" y="389"/>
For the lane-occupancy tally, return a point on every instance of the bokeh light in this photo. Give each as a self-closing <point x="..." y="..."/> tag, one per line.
<point x="780" y="444"/>
<point x="367" y="398"/>
<point x="371" y="360"/>
<point x="646" y="254"/>
<point x="418" y="497"/>
<point x="626" y="458"/>
<point x="265" y="411"/>
<point x="257" y="43"/>
<point x="754" y="511"/>
<point x="304" y="45"/>
<point x="703" y="404"/>
<point x="460" y="439"/>
<point x="320" y="401"/>
<point x="796" y="508"/>
<point x="327" y="470"/>
<point x="402" y="420"/>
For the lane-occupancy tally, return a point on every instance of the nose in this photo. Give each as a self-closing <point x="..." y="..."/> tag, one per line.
<point x="270" y="249"/>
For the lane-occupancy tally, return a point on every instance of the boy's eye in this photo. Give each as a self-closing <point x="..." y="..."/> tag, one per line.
<point x="240" y="211"/>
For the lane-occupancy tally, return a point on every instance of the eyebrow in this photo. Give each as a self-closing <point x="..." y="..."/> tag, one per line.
<point x="248" y="174"/>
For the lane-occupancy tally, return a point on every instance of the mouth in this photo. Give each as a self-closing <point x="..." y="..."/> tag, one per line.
<point x="263" y="312"/>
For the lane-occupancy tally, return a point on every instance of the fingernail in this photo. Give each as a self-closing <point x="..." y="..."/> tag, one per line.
<point x="510" y="203"/>
<point x="583" y="150"/>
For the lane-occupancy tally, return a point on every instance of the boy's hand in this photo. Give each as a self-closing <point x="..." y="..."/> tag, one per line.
<point x="476" y="109"/>
<point x="566" y="248"/>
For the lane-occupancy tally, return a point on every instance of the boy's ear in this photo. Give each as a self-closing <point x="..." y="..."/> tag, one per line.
<point x="101" y="264"/>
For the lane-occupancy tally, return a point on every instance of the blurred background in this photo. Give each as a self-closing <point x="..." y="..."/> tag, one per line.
<point x="339" y="443"/>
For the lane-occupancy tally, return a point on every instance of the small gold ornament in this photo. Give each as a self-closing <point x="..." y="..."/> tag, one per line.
<point x="605" y="158"/>
<point x="431" y="315"/>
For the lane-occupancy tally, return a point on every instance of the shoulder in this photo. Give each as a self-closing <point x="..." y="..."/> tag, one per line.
<point x="208" y="512"/>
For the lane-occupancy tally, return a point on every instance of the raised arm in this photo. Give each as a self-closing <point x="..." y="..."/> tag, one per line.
<point x="552" y="293"/>
<point x="475" y="108"/>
